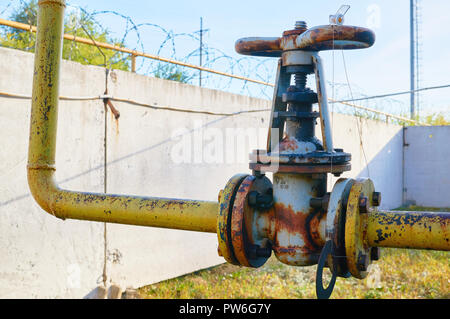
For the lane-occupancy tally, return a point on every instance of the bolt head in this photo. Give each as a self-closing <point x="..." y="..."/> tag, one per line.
<point x="363" y="262"/>
<point x="374" y="253"/>
<point x="300" y="25"/>
<point x="256" y="251"/>
<point x="376" y="198"/>
<point x="264" y="252"/>
<point x="253" y="198"/>
<point x="363" y="205"/>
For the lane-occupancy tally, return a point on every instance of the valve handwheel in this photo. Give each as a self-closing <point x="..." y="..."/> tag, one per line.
<point x="324" y="37"/>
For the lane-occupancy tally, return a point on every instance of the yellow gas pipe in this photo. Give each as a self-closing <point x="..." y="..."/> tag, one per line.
<point x="384" y="229"/>
<point x="418" y="230"/>
<point x="133" y="210"/>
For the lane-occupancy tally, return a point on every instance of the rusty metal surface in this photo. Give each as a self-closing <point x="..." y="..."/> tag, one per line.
<point x="299" y="249"/>
<point x="335" y="226"/>
<point x="291" y="157"/>
<point x="335" y="37"/>
<point x="259" y="46"/>
<point x="249" y="247"/>
<point x="418" y="230"/>
<point x="293" y="243"/>
<point x="317" y="227"/>
<point x="226" y="199"/>
<point x="357" y="249"/>
<point x="319" y="38"/>
<point x="238" y="229"/>
<point x="301" y="169"/>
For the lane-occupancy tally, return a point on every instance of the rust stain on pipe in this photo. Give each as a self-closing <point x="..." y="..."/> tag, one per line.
<point x="296" y="226"/>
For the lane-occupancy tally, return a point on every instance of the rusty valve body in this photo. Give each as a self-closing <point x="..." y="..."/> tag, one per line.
<point x="299" y="161"/>
<point x="295" y="216"/>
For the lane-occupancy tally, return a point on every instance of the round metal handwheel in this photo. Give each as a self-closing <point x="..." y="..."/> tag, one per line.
<point x="321" y="292"/>
<point x="319" y="38"/>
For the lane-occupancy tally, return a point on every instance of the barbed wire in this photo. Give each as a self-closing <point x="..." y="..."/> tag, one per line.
<point x="131" y="36"/>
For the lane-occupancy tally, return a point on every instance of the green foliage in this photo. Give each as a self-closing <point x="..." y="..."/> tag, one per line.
<point x="436" y="119"/>
<point x="27" y="13"/>
<point x="86" y="27"/>
<point x="171" y="72"/>
<point x="81" y="25"/>
<point x="432" y="119"/>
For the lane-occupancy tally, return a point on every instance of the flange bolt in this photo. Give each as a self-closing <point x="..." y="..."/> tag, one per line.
<point x="256" y="251"/>
<point x="374" y="253"/>
<point x="363" y="205"/>
<point x="376" y="198"/>
<point x="320" y="202"/>
<point x="256" y="200"/>
<point x="363" y="262"/>
<point x="300" y="25"/>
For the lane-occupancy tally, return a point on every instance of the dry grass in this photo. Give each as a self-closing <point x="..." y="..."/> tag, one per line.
<point x="398" y="274"/>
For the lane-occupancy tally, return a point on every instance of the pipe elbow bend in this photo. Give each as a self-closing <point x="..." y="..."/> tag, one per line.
<point x="43" y="188"/>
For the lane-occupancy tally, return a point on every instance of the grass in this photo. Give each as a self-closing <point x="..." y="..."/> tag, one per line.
<point x="400" y="273"/>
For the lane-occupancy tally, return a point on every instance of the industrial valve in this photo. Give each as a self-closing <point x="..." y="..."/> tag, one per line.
<point x="295" y="217"/>
<point x="292" y="216"/>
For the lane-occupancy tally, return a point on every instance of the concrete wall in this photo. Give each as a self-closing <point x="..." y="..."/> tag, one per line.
<point x="376" y="149"/>
<point x="46" y="257"/>
<point x="427" y="169"/>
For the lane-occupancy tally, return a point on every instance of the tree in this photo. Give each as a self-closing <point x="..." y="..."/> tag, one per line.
<point x="81" y="25"/>
<point x="436" y="119"/>
<point x="171" y="72"/>
<point x="85" y="26"/>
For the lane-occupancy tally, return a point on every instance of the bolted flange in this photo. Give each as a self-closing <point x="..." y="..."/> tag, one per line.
<point x="244" y="197"/>
<point x="226" y="199"/>
<point x="358" y="253"/>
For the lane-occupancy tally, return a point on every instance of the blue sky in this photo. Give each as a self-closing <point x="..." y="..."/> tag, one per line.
<point x="381" y="69"/>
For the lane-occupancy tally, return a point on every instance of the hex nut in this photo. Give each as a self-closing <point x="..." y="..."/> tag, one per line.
<point x="363" y="262"/>
<point x="363" y="205"/>
<point x="253" y="198"/>
<point x="256" y="251"/>
<point x="374" y="253"/>
<point x="376" y="198"/>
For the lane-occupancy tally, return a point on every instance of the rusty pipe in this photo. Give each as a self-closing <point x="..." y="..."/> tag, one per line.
<point x="145" y="211"/>
<point x="401" y="229"/>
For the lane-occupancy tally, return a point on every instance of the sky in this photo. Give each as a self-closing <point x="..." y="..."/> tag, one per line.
<point x="383" y="68"/>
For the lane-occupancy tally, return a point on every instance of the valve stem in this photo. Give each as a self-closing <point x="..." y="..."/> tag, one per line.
<point x="300" y="25"/>
<point x="300" y="80"/>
